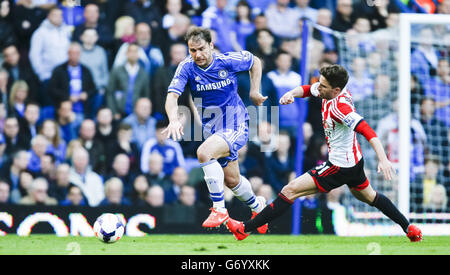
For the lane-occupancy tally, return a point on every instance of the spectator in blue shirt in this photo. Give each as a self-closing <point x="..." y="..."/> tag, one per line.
<point x="243" y="25"/>
<point x="95" y="58"/>
<point x="74" y="197"/>
<point x="438" y="87"/>
<point x="141" y="122"/>
<point x="114" y="193"/>
<point x="424" y="57"/>
<point x="259" y="6"/>
<point x="285" y="79"/>
<point x="49" y="44"/>
<point x="324" y="18"/>
<point x="282" y="20"/>
<point x="39" y="146"/>
<point x="69" y="122"/>
<point x="169" y="149"/>
<point x="305" y="11"/>
<point x="360" y="84"/>
<point x="150" y="56"/>
<point x="216" y="18"/>
<point x="178" y="179"/>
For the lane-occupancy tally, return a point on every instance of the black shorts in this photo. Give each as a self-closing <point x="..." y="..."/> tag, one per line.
<point x="328" y="176"/>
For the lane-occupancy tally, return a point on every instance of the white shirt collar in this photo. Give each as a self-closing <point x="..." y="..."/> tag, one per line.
<point x="132" y="69"/>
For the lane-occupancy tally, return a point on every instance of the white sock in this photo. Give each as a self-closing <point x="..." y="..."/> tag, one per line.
<point x="214" y="178"/>
<point x="243" y="191"/>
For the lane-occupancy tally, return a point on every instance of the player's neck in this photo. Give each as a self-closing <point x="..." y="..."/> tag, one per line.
<point x="333" y="96"/>
<point x="211" y="59"/>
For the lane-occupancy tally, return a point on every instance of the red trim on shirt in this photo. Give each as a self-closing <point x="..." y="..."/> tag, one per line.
<point x="306" y="90"/>
<point x="339" y="111"/>
<point x="364" y="129"/>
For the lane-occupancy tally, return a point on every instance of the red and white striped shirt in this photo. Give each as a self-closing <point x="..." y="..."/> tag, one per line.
<point x="339" y="119"/>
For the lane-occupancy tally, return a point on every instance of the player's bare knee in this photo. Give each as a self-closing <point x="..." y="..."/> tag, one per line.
<point x="289" y="191"/>
<point x="299" y="187"/>
<point x="203" y="155"/>
<point x="231" y="181"/>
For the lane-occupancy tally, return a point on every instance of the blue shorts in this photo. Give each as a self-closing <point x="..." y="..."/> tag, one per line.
<point x="236" y="139"/>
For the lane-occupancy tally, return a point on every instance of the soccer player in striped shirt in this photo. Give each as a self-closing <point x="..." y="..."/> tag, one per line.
<point x="212" y="78"/>
<point x="345" y="163"/>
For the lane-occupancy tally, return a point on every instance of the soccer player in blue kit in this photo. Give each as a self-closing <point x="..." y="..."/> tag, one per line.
<point x="212" y="78"/>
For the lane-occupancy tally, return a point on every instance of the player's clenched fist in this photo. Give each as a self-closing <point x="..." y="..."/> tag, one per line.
<point x="257" y="98"/>
<point x="287" y="98"/>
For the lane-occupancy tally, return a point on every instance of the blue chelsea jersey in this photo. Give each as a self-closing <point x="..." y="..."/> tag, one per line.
<point x="216" y="86"/>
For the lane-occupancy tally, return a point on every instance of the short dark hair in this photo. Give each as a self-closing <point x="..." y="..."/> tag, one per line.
<point x="198" y="33"/>
<point x="124" y="127"/>
<point x="264" y="30"/>
<point x="336" y="75"/>
<point x="280" y="52"/>
<point x="425" y="98"/>
<point x="52" y="156"/>
<point x="162" y="124"/>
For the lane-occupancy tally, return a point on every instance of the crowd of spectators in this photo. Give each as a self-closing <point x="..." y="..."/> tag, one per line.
<point x="82" y="92"/>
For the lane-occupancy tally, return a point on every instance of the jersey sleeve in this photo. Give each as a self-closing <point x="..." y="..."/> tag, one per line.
<point x="310" y="90"/>
<point x="179" y="79"/>
<point x="343" y="112"/>
<point x="239" y="61"/>
<point x="364" y="129"/>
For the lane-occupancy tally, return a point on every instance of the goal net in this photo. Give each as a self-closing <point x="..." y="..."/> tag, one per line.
<point x="399" y="80"/>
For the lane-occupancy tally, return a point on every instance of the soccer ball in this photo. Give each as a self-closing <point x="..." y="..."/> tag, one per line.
<point x="109" y="228"/>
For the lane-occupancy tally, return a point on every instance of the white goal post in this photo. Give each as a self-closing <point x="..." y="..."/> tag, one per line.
<point x="404" y="96"/>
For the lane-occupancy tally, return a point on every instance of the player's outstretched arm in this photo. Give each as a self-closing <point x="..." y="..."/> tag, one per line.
<point x="175" y="128"/>
<point x="255" y="82"/>
<point x="384" y="165"/>
<point x="289" y="96"/>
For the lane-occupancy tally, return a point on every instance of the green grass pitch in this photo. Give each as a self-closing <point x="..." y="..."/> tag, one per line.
<point x="224" y="244"/>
